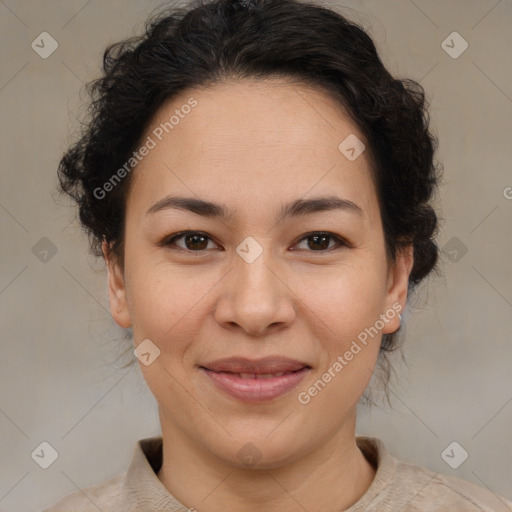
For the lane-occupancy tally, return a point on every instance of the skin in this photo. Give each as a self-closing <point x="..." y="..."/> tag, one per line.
<point x="253" y="146"/>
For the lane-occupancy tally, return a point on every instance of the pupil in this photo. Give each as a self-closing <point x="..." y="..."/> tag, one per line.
<point x="194" y="242"/>
<point x="198" y="242"/>
<point x="316" y="237"/>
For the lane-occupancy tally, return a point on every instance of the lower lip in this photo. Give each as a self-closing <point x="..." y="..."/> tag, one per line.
<point x="256" y="390"/>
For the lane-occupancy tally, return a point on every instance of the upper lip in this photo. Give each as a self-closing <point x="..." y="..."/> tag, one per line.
<point x="262" y="366"/>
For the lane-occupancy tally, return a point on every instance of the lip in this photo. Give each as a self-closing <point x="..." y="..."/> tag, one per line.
<point x="224" y="373"/>
<point x="255" y="390"/>
<point x="273" y="364"/>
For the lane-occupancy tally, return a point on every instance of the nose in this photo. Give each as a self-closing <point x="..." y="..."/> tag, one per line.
<point x="255" y="297"/>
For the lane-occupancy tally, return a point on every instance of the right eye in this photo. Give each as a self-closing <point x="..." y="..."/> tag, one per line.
<point x="194" y="241"/>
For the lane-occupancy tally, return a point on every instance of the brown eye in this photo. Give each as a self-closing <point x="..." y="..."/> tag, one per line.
<point x="197" y="241"/>
<point x="319" y="242"/>
<point x="194" y="241"/>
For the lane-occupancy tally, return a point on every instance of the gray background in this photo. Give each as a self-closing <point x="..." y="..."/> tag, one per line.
<point x="60" y="371"/>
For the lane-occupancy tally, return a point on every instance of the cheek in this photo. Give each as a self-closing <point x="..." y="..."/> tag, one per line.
<point x="348" y="307"/>
<point x="347" y="299"/>
<point x="167" y="311"/>
<point x="165" y="302"/>
<point x="169" y="302"/>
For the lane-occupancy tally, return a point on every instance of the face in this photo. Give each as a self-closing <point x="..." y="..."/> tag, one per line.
<point x="262" y="280"/>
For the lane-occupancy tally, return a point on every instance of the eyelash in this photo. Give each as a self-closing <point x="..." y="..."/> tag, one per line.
<point x="169" y="241"/>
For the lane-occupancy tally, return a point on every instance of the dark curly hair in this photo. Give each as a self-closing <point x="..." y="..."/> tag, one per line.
<point x="211" y="41"/>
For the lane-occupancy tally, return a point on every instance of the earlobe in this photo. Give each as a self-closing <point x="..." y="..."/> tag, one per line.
<point x="398" y="286"/>
<point x="116" y="288"/>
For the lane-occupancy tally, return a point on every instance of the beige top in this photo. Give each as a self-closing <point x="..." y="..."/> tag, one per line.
<point x="397" y="486"/>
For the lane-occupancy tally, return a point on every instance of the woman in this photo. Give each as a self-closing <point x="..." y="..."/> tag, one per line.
<point x="259" y="186"/>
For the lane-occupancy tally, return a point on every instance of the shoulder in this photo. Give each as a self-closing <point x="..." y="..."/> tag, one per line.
<point x="103" y="497"/>
<point x="138" y="488"/>
<point x="400" y="485"/>
<point x="430" y="491"/>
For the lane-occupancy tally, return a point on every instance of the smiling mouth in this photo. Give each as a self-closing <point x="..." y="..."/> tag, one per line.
<point x="255" y="387"/>
<point x="258" y="376"/>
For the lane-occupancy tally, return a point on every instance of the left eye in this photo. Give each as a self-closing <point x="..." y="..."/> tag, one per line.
<point x="197" y="241"/>
<point x="321" y="241"/>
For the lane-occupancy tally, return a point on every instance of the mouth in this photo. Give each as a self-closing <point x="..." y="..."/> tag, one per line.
<point x="255" y="381"/>
<point x="258" y="376"/>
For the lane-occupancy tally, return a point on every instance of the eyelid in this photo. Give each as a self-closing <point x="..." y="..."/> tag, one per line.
<point x="341" y="241"/>
<point x="169" y="240"/>
<point x="338" y="238"/>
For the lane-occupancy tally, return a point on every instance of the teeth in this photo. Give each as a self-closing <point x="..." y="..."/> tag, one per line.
<point x="261" y="375"/>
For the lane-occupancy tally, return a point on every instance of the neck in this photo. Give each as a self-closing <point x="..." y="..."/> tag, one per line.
<point x="330" y="478"/>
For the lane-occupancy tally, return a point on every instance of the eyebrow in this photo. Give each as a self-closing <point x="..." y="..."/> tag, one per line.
<point x="294" y="209"/>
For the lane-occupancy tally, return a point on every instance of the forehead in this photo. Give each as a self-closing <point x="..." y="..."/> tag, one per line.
<point x="273" y="139"/>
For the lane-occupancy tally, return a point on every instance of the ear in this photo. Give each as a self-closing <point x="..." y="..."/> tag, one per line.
<point x="397" y="286"/>
<point x="116" y="288"/>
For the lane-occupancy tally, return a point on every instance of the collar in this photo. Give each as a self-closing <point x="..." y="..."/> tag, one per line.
<point x="142" y="486"/>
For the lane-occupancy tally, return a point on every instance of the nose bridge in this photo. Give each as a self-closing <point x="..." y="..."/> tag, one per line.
<point x="256" y="298"/>
<point x="252" y="269"/>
